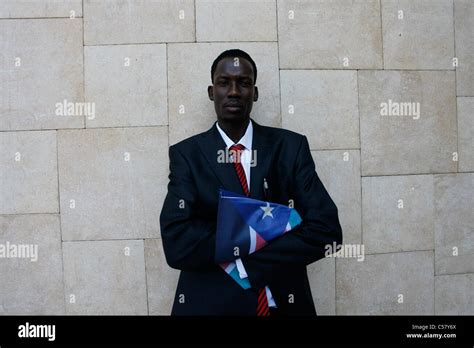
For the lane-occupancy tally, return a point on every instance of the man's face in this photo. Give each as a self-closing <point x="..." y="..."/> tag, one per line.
<point x="233" y="91"/>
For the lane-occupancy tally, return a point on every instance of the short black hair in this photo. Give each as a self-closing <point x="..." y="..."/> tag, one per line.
<point x="233" y="53"/>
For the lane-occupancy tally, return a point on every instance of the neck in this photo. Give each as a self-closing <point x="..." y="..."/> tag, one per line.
<point x="234" y="130"/>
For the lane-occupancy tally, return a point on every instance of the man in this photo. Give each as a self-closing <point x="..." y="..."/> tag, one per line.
<point x="280" y="170"/>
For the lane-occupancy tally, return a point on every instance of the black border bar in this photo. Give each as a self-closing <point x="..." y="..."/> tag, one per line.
<point x="330" y="330"/>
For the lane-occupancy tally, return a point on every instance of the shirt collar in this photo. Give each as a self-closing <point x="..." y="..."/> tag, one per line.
<point x="246" y="140"/>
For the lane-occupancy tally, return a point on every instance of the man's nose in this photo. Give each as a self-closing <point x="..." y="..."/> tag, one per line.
<point x="233" y="90"/>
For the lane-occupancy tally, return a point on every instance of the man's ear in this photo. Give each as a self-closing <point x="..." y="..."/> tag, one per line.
<point x="255" y="94"/>
<point x="210" y="92"/>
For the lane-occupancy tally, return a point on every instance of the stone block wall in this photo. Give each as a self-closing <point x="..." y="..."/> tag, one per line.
<point x="383" y="89"/>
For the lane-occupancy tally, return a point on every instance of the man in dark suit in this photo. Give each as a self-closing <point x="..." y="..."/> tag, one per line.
<point x="280" y="170"/>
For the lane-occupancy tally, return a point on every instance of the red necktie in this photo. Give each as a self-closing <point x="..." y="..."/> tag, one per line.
<point x="236" y="152"/>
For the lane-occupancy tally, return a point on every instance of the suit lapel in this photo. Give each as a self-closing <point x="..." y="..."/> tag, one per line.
<point x="262" y="149"/>
<point x="211" y="143"/>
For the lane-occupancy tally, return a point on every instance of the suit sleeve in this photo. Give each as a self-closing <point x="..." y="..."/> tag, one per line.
<point x="306" y="243"/>
<point x="188" y="241"/>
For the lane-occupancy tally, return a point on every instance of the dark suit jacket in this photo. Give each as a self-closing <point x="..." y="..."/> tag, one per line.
<point x="188" y="223"/>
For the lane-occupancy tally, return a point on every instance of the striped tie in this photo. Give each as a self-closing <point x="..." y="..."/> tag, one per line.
<point x="236" y="152"/>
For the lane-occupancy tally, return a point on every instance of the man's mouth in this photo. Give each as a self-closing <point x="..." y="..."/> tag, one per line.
<point x="233" y="106"/>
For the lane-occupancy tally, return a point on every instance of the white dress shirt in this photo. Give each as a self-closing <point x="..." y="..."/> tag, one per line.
<point x="246" y="158"/>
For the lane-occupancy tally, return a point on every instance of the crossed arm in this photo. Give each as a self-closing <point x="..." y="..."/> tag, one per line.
<point x="189" y="241"/>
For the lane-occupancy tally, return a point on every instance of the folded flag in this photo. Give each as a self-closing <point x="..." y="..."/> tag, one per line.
<point x="245" y="225"/>
<point x="231" y="269"/>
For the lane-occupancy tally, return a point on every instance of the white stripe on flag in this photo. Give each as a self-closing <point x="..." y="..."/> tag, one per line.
<point x="240" y="267"/>
<point x="230" y="267"/>
<point x="253" y="239"/>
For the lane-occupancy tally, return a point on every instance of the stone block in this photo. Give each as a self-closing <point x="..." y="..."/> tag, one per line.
<point x="464" y="27"/>
<point x="418" y="34"/>
<point x="454" y="223"/>
<point x="398" y="213"/>
<point x="105" y="277"/>
<point x="28" y="174"/>
<point x="146" y="21"/>
<point x="407" y="122"/>
<point x="339" y="171"/>
<point x="240" y="20"/>
<point x="465" y="134"/>
<point x="127" y="84"/>
<point x="41" y="65"/>
<point x="386" y="284"/>
<point x="322" y="105"/>
<point x="161" y="279"/>
<point x="31" y="265"/>
<point x="322" y="279"/>
<point x="329" y="34"/>
<point x="40" y="8"/>
<point x="454" y="294"/>
<point x="112" y="182"/>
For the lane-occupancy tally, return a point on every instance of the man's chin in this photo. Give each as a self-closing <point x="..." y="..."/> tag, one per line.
<point x="233" y="117"/>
